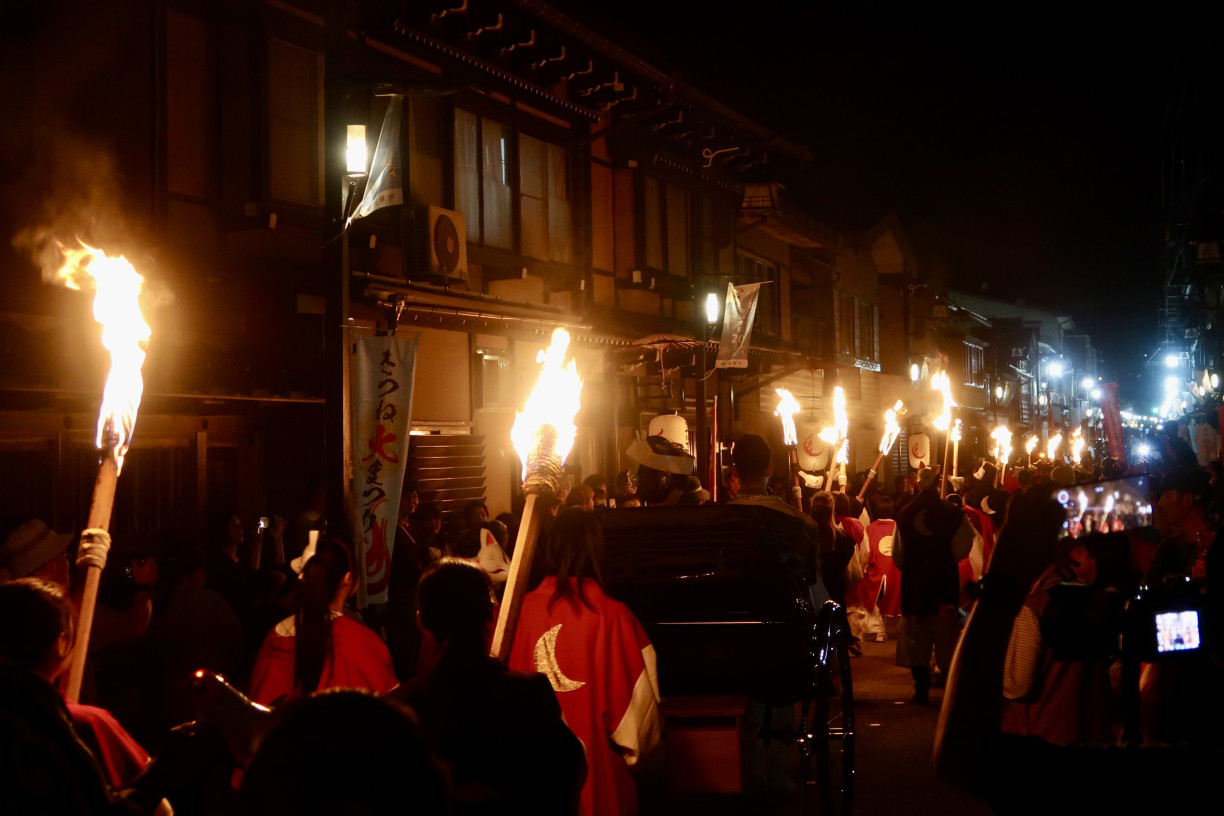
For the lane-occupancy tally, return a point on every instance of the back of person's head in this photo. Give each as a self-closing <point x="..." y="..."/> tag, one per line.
<point x="343" y="753"/>
<point x="320" y="582"/>
<point x="823" y="507"/>
<point x="1024" y="477"/>
<point x="596" y="481"/>
<point x="885" y="507"/>
<point x="955" y="500"/>
<point x="841" y="504"/>
<point x="752" y="457"/>
<point x="455" y="600"/>
<point x="580" y="496"/>
<point x="35" y="614"/>
<point x="574" y="552"/>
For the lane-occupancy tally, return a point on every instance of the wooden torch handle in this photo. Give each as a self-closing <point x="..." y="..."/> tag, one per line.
<point x="516" y="584"/>
<point x="99" y="518"/>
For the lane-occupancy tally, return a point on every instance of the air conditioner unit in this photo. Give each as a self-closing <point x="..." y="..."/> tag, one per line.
<point x="436" y="245"/>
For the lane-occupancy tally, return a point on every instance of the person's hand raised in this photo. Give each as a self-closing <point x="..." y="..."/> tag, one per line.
<point x="1027" y="543"/>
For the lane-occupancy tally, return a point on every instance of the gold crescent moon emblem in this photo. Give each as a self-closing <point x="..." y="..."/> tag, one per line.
<point x="546" y="662"/>
<point x="886" y="546"/>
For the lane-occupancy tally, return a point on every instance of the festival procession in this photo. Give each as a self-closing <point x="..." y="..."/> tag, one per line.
<point x="499" y="406"/>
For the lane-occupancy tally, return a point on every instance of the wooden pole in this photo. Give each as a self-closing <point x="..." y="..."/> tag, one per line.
<point x="943" y="471"/>
<point x="871" y="474"/>
<point x="516" y="584"/>
<point x="792" y="457"/>
<point x="99" y="518"/>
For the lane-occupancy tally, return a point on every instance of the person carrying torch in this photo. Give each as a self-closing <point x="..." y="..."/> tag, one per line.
<point x="125" y="333"/>
<point x="543" y="435"/>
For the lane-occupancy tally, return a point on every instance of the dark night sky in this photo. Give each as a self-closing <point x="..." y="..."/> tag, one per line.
<point x="1020" y="145"/>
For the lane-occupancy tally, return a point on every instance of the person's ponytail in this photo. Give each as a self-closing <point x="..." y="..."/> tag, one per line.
<point x="321" y="578"/>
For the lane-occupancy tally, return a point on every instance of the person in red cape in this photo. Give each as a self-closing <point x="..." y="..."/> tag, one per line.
<point x="319" y="648"/>
<point x="880" y="590"/>
<point x="597" y="658"/>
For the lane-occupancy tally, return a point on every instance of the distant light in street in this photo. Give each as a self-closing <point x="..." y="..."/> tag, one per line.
<point x="1096" y="393"/>
<point x="1056" y="369"/>
<point x="1215" y="381"/>
<point x="998" y="392"/>
<point x="1144" y="451"/>
<point x="1087" y="383"/>
<point x="711" y="308"/>
<point x="1171" y="361"/>
<point x="1171" y="384"/>
<point x="915" y="373"/>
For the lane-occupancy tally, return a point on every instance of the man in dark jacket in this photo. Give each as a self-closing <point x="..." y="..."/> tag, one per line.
<point x="932" y="536"/>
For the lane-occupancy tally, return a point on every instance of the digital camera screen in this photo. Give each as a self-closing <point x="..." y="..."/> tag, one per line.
<point x="1106" y="507"/>
<point x="1177" y="631"/>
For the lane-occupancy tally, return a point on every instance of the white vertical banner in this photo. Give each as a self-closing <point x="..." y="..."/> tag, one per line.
<point x="383" y="371"/>
<point x="386" y="186"/>
<point x="738" y="314"/>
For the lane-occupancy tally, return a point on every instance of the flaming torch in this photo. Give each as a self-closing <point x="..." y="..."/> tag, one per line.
<point x="892" y="430"/>
<point x="1029" y="446"/>
<point x="1077" y="445"/>
<point x="1003" y="448"/>
<point x="956" y="438"/>
<point x="788" y="406"/>
<point x="542" y="436"/>
<point x="116" y="307"/>
<point x="943" y="422"/>
<point x="1052" y="446"/>
<point x="836" y="434"/>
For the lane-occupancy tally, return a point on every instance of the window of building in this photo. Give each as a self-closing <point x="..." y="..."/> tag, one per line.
<point x="497" y="170"/>
<point x="544" y="201"/>
<point x="294" y="121"/>
<point x="858" y="328"/>
<point x="483" y="179"/>
<point x="769" y="310"/>
<point x="666" y="218"/>
<point x="975" y="365"/>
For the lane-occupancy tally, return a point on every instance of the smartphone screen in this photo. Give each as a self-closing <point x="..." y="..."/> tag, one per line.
<point x="1106" y="507"/>
<point x="1177" y="631"/>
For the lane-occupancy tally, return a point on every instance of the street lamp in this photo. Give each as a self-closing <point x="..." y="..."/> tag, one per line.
<point x="1171" y="361"/>
<point x="1055" y="369"/>
<point x="355" y="157"/>
<point x="712" y="310"/>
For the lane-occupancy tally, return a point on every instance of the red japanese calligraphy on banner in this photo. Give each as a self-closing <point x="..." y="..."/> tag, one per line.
<point x="383" y="372"/>
<point x="1112" y="417"/>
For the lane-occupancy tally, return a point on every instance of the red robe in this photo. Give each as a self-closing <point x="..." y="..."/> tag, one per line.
<point x="120" y="756"/>
<point x="358" y="660"/>
<point x="881" y="579"/>
<point x="602" y="667"/>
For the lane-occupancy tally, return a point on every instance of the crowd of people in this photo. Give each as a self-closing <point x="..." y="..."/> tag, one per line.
<point x="357" y="710"/>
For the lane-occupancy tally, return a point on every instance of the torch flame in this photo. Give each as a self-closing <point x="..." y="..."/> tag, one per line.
<point x="553" y="402"/>
<point x="1003" y="447"/>
<point x="956" y="431"/>
<point x="942" y="384"/>
<point x="1052" y="446"/>
<point x="788" y="406"/>
<point x="116" y="307"/>
<point x="841" y="425"/>
<point x="891" y="428"/>
<point x="1077" y="445"/>
<point x="1030" y="445"/>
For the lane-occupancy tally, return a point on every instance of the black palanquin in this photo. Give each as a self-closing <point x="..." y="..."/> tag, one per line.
<point x="722" y="591"/>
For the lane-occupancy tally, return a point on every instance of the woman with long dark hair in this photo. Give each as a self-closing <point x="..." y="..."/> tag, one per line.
<point x="597" y="659"/>
<point x="319" y="648"/>
<point x="834" y="546"/>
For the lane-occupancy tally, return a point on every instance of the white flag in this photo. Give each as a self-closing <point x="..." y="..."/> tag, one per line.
<point x="386" y="186"/>
<point x="737" y="325"/>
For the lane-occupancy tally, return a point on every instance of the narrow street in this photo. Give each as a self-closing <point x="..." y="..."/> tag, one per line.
<point x="894" y="774"/>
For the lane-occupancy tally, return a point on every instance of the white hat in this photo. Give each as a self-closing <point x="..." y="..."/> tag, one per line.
<point x="29" y="547"/>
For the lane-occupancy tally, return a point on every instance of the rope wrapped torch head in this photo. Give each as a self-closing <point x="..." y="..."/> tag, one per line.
<point x="545" y="470"/>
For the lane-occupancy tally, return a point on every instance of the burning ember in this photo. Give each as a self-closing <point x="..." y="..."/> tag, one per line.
<point x="788" y="406"/>
<point x="116" y="307"/>
<point x="544" y="432"/>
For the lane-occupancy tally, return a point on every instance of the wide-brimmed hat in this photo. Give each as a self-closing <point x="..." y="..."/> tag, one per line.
<point x="29" y="547"/>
